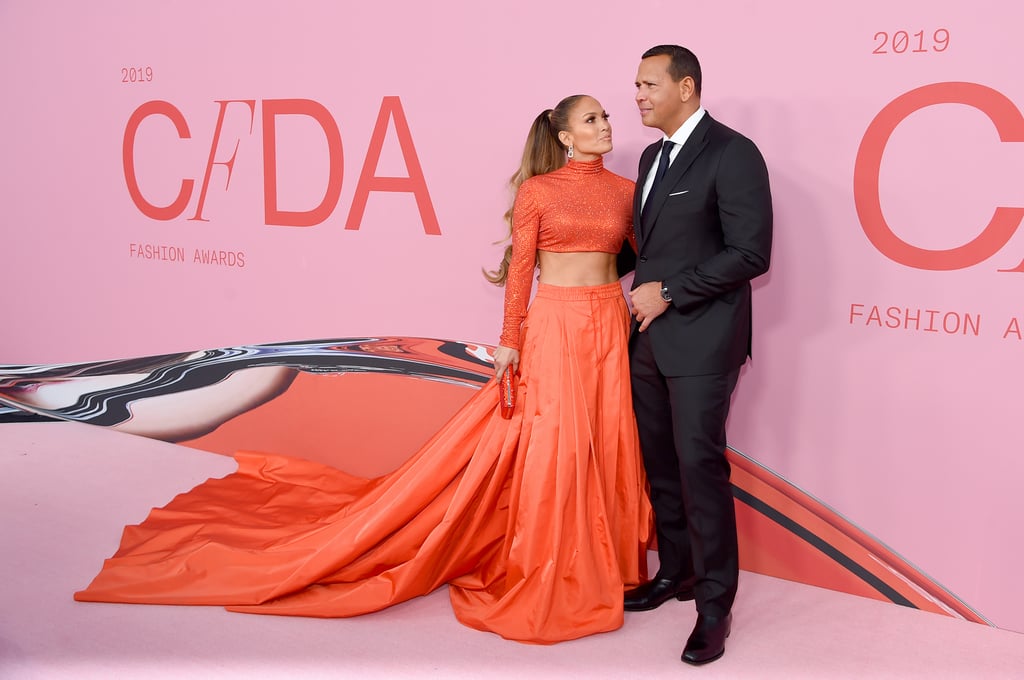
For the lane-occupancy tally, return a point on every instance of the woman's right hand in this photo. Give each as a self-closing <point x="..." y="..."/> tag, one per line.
<point x="503" y="358"/>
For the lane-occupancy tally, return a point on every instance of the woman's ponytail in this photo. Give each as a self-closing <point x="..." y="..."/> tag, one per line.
<point x="542" y="154"/>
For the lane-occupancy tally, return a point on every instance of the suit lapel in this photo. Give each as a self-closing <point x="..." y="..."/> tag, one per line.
<point x="683" y="160"/>
<point x="646" y="161"/>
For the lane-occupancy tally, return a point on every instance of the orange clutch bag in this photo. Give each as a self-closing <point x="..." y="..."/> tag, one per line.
<point x="507" y="393"/>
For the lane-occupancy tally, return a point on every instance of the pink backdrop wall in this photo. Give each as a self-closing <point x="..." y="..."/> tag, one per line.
<point x="888" y="333"/>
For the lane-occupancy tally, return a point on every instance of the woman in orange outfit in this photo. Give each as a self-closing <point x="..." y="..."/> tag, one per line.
<point x="537" y="523"/>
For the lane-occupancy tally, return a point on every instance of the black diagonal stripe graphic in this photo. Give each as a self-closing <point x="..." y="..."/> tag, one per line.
<point x="821" y="544"/>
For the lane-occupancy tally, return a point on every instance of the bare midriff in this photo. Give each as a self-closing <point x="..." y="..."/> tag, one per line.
<point x="576" y="269"/>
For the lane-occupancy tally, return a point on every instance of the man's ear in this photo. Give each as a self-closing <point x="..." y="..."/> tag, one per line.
<point x="687" y="88"/>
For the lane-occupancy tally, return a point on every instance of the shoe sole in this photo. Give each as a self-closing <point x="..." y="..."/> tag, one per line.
<point x="704" y="661"/>
<point x="682" y="597"/>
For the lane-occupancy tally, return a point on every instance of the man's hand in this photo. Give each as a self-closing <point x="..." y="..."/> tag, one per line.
<point x="503" y="357"/>
<point x="647" y="303"/>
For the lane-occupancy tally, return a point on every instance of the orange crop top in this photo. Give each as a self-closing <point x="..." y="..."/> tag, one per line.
<point x="580" y="207"/>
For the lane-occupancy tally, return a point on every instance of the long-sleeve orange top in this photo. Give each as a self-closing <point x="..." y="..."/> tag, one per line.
<point x="581" y="207"/>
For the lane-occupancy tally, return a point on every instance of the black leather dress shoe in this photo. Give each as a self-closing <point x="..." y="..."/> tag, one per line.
<point x="657" y="592"/>
<point x="707" y="641"/>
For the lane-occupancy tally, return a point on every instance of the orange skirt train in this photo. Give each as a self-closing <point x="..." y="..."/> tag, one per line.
<point x="537" y="523"/>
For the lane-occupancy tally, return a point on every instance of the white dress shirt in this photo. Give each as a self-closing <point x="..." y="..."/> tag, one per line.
<point x="678" y="138"/>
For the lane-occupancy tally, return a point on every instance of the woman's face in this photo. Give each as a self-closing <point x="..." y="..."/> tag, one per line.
<point x="589" y="133"/>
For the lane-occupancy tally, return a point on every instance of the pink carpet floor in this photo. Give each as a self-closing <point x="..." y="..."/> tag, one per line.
<point x="66" y="490"/>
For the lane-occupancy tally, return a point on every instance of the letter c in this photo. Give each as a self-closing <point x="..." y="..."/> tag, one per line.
<point x="128" y="158"/>
<point x="1008" y="122"/>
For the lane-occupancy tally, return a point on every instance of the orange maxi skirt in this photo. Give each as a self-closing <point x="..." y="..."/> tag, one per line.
<point x="536" y="524"/>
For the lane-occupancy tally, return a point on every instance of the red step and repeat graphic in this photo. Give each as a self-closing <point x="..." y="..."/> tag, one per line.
<point x="197" y="194"/>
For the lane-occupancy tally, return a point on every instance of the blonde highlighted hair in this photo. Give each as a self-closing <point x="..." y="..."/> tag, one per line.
<point x="543" y="153"/>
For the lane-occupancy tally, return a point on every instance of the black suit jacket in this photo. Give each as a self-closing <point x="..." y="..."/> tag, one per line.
<point x="706" y="233"/>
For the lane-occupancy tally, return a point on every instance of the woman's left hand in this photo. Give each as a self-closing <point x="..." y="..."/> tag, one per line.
<point x="505" y="357"/>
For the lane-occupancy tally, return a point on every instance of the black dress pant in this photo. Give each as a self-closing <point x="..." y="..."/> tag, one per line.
<point x="681" y="421"/>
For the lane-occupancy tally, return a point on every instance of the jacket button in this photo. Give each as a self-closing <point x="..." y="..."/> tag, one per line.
<point x="643" y="258"/>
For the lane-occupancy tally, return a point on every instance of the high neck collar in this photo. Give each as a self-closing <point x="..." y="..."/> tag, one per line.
<point x="586" y="167"/>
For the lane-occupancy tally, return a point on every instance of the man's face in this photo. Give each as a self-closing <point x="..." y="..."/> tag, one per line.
<point x="660" y="99"/>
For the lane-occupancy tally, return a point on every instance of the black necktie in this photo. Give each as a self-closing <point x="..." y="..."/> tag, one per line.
<point x="659" y="174"/>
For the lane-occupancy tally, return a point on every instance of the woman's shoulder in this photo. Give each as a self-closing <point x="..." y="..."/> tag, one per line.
<point x="619" y="180"/>
<point x="533" y="192"/>
<point x="538" y="184"/>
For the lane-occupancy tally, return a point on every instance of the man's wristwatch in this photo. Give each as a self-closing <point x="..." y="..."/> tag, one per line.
<point x="665" y="294"/>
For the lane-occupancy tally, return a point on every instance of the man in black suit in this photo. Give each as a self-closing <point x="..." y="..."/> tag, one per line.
<point x="703" y="220"/>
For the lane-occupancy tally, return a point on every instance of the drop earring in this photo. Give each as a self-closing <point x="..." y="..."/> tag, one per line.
<point x="570" y="151"/>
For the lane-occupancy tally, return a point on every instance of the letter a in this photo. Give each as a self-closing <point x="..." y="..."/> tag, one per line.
<point x="1013" y="329"/>
<point x="415" y="183"/>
